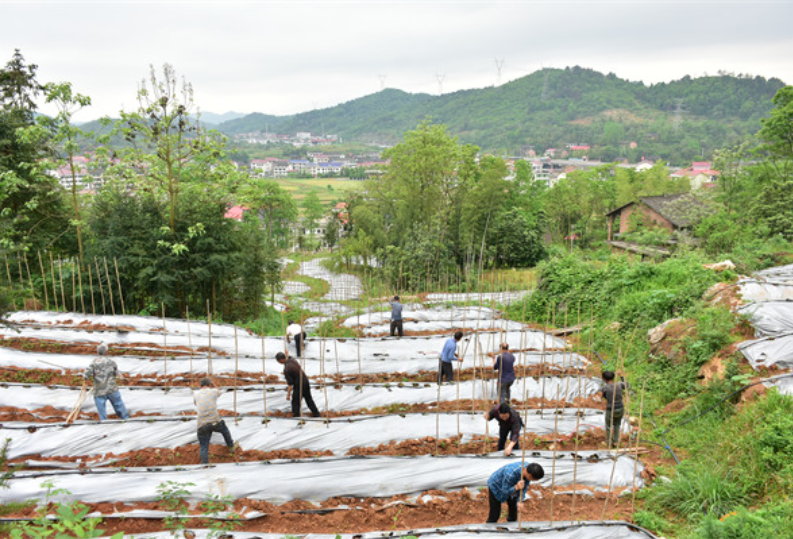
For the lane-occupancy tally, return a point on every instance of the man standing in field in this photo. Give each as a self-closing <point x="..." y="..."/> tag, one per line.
<point x="294" y="330"/>
<point x="103" y="371"/>
<point x="298" y="387"/>
<point x="509" y="484"/>
<point x="612" y="392"/>
<point x="505" y="366"/>
<point x="206" y="401"/>
<point x="396" y="316"/>
<point x="509" y="424"/>
<point x="448" y="354"/>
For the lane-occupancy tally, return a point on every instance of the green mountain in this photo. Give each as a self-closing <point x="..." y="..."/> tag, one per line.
<point x="676" y="121"/>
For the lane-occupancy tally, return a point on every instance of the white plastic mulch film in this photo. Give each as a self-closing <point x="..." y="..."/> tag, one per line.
<point x="770" y="318"/>
<point x="501" y="530"/>
<point x="318" y="480"/>
<point x="336" y="435"/>
<point x="250" y="399"/>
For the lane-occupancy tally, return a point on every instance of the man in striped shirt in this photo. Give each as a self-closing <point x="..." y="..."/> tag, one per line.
<point x="506" y="483"/>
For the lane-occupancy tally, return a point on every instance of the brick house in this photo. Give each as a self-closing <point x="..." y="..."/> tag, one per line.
<point x="673" y="212"/>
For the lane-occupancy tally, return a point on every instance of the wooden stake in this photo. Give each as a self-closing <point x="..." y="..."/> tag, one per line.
<point x="264" y="383"/>
<point x="54" y="289"/>
<point x="8" y="272"/>
<point x="236" y="369"/>
<point x="30" y="279"/>
<point x="209" y="356"/>
<point x="80" y="283"/>
<point x="120" y="292"/>
<point x="99" y="282"/>
<point x="74" y="291"/>
<point x="110" y="289"/>
<point x="190" y="340"/>
<point x="44" y="282"/>
<point x="164" y="345"/>
<point x="60" y="274"/>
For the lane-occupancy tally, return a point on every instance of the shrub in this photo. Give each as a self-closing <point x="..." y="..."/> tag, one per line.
<point x="770" y="521"/>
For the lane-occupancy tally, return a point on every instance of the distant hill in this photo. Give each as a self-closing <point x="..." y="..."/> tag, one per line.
<point x="676" y="121"/>
<point x="210" y="118"/>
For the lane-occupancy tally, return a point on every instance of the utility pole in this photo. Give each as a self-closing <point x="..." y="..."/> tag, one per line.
<point x="499" y="67"/>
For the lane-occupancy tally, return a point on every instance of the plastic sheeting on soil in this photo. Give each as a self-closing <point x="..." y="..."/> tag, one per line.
<point x="343" y="286"/>
<point x="770" y="318"/>
<point x="278" y="481"/>
<point x="338" y="435"/>
<point x="295" y="288"/>
<point x="753" y="291"/>
<point x="469" y="314"/>
<point x="249" y="399"/>
<point x="141" y="366"/>
<point x="780" y="274"/>
<point x="223" y="339"/>
<point x="495" y="297"/>
<point x="783" y="384"/>
<point x="770" y="351"/>
<point x="501" y="530"/>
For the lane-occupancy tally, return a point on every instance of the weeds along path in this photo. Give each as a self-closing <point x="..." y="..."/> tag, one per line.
<point x="343" y="286"/>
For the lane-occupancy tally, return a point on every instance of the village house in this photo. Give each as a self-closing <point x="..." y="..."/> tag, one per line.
<point x="700" y="174"/>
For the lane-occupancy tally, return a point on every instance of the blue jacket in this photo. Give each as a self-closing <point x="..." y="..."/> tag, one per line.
<point x="448" y="350"/>
<point x="502" y="482"/>
<point x="396" y="311"/>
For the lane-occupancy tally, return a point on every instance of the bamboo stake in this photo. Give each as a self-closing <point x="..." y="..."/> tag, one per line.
<point x="189" y="339"/>
<point x="54" y="289"/>
<point x="164" y="345"/>
<point x="63" y="294"/>
<point x="110" y="289"/>
<point x="323" y="380"/>
<point x="209" y="356"/>
<point x="30" y="279"/>
<point x="542" y="362"/>
<point x="74" y="292"/>
<point x="236" y="369"/>
<point x="120" y="291"/>
<point x="577" y="424"/>
<point x="91" y="286"/>
<point x="264" y="383"/>
<point x="21" y="275"/>
<point x="44" y="282"/>
<point x="636" y="454"/>
<point x="99" y="282"/>
<point x="80" y="282"/>
<point x="8" y="272"/>
<point x="621" y="361"/>
<point x="553" y="466"/>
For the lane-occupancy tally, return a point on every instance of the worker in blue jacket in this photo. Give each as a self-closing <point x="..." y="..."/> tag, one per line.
<point x="507" y="484"/>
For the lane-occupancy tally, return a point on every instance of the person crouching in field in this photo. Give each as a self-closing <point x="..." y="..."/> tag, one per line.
<point x="509" y="484"/>
<point x="509" y="424"/>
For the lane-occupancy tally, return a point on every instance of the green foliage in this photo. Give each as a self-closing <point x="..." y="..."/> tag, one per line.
<point x="773" y="520"/>
<point x="699" y="489"/>
<point x="214" y="506"/>
<point x="171" y="495"/>
<point x="69" y="520"/>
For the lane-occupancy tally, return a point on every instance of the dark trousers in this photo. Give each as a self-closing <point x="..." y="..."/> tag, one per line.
<point x="305" y="394"/>
<point x="502" y="439"/>
<point x="445" y="369"/>
<point x="299" y="343"/>
<point x="495" y="508"/>
<point x="205" y="435"/>
<point x="396" y="326"/>
<point x="613" y="424"/>
<point x="505" y="392"/>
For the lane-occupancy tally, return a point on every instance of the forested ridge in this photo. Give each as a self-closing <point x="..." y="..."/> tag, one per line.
<point x="555" y="107"/>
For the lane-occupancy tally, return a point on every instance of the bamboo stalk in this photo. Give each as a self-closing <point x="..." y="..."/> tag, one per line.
<point x="209" y="356"/>
<point x="553" y="466"/>
<point x="44" y="282"/>
<point x="30" y="279"/>
<point x="236" y="369"/>
<point x="264" y="383"/>
<point x="54" y="289"/>
<point x="120" y="291"/>
<point x="110" y="289"/>
<point x="189" y="339"/>
<point x="99" y="282"/>
<point x="63" y="294"/>
<point x="80" y="283"/>
<point x="164" y="345"/>
<point x="8" y="272"/>
<point x="74" y="291"/>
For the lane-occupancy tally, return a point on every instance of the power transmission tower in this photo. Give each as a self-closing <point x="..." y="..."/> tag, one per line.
<point x="440" y="77"/>
<point x="382" y="81"/>
<point x="679" y="111"/>
<point x="499" y="67"/>
<point x="545" y="86"/>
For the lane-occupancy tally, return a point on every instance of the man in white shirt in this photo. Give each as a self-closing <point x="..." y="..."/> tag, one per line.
<point x="295" y="331"/>
<point x="209" y="421"/>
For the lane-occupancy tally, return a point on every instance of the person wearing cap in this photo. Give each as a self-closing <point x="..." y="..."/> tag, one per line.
<point x="449" y="353"/>
<point x="296" y="378"/>
<point x="509" y="424"/>
<point x="505" y="366"/>
<point x="103" y="372"/>
<point x="509" y="484"/>
<point x="295" y="330"/>
<point x="206" y="402"/>
<point x="396" y="316"/>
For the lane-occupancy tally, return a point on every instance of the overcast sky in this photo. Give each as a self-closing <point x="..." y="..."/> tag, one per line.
<point x="283" y="57"/>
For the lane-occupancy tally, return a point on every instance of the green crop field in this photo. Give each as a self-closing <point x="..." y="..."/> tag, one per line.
<point x="327" y="189"/>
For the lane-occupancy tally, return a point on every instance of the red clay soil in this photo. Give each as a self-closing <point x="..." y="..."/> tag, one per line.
<point x="433" y="509"/>
<point x="431" y="376"/>
<point x="188" y="454"/>
<point x="30" y="344"/>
